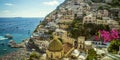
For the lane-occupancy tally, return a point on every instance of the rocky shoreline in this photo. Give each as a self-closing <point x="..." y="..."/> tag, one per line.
<point x="13" y="44"/>
<point x="18" y="54"/>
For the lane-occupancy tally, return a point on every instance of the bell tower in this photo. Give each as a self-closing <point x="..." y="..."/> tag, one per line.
<point x="81" y="41"/>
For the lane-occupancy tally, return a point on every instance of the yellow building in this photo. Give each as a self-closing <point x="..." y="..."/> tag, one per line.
<point x="55" y="50"/>
<point x="81" y="41"/>
<point x="64" y="36"/>
<point x="84" y="45"/>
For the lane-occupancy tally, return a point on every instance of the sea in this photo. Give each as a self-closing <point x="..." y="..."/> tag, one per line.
<point x="19" y="28"/>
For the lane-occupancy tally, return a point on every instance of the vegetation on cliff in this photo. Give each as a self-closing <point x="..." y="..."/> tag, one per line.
<point x="115" y="3"/>
<point x="91" y="54"/>
<point x="114" y="46"/>
<point x="34" y="56"/>
<point x="77" y="29"/>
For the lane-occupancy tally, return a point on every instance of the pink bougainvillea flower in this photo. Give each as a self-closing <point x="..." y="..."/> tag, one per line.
<point x="107" y="36"/>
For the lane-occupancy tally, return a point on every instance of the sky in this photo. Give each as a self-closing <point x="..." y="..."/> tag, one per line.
<point x="27" y="8"/>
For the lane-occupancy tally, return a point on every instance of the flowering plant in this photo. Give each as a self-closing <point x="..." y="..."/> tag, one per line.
<point x="107" y="36"/>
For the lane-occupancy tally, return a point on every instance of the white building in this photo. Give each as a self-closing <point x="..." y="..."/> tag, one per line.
<point x="52" y="24"/>
<point x="75" y="53"/>
<point x="113" y="24"/>
<point x="102" y="13"/>
<point x="101" y="22"/>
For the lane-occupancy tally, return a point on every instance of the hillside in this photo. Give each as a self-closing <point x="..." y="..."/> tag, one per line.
<point x="76" y="23"/>
<point x="68" y="10"/>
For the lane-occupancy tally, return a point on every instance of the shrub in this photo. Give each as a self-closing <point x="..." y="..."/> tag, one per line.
<point x="114" y="46"/>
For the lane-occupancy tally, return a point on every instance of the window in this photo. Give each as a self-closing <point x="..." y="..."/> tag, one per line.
<point x="90" y="21"/>
<point x="57" y="56"/>
<point x="51" y="55"/>
<point x="89" y="17"/>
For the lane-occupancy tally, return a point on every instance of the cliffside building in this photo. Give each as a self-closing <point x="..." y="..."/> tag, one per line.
<point x="102" y="13"/>
<point x="89" y="19"/>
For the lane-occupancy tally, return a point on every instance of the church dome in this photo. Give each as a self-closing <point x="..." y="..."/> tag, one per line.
<point x="55" y="45"/>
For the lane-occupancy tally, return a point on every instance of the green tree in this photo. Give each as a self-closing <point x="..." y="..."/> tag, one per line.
<point x="115" y="3"/>
<point x="91" y="54"/>
<point x="34" y="56"/>
<point x="75" y="29"/>
<point x="114" y="46"/>
<point x="102" y="7"/>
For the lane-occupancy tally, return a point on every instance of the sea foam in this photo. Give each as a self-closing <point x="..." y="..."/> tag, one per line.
<point x="2" y="38"/>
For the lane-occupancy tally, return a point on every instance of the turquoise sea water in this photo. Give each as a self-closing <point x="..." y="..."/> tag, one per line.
<point x="19" y="28"/>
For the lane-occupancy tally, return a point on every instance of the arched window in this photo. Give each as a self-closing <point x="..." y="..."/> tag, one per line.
<point x="80" y="46"/>
<point x="76" y="44"/>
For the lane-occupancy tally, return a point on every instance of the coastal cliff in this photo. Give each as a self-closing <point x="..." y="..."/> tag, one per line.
<point x="67" y="11"/>
<point x="73" y="19"/>
<point x="71" y="10"/>
<point x="73" y="31"/>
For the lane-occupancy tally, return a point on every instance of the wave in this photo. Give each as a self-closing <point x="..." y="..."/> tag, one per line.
<point x="3" y="38"/>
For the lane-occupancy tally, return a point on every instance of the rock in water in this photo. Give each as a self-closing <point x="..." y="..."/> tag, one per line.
<point x="8" y="36"/>
<point x="12" y="43"/>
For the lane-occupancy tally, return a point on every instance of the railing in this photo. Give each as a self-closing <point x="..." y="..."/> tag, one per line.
<point x="69" y="52"/>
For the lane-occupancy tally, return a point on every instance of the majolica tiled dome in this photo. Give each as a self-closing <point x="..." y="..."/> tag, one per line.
<point x="55" y="45"/>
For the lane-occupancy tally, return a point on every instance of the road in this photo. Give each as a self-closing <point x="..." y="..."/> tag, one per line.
<point x="114" y="56"/>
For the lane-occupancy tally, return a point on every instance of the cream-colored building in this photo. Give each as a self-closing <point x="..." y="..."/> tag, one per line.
<point x="67" y="39"/>
<point x="84" y="45"/>
<point x="63" y="35"/>
<point x="113" y="24"/>
<point x="101" y="22"/>
<point x="88" y="45"/>
<point x="102" y="13"/>
<point x="55" y="50"/>
<point x="89" y="19"/>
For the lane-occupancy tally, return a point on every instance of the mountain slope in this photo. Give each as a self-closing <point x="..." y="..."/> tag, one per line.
<point x="68" y="10"/>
